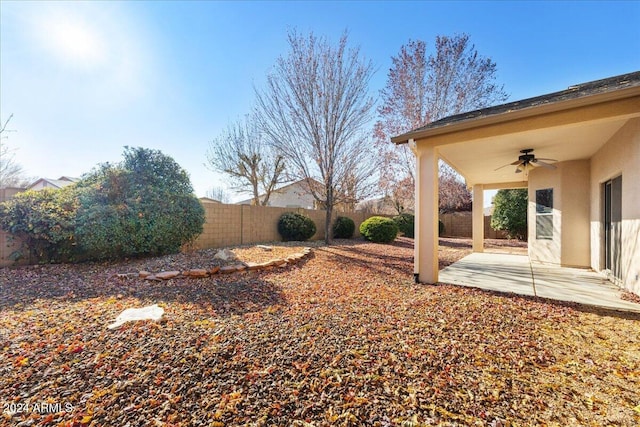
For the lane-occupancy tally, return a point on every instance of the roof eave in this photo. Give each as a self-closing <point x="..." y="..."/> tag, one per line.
<point x="518" y="114"/>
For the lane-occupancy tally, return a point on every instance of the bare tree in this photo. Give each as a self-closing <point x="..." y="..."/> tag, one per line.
<point x="11" y="173"/>
<point x="219" y="194"/>
<point x="242" y="153"/>
<point x="421" y="89"/>
<point x="314" y="110"/>
<point x="453" y="195"/>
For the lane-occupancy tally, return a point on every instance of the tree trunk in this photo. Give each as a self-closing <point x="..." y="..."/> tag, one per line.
<point x="327" y="224"/>
<point x="327" y="219"/>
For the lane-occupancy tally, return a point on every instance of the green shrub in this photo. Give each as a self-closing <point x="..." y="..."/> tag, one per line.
<point x="294" y="226"/>
<point x="44" y="221"/>
<point x="510" y="212"/>
<point x="144" y="206"/>
<point x="406" y="224"/>
<point x="343" y="228"/>
<point x="379" y="229"/>
<point x="440" y="228"/>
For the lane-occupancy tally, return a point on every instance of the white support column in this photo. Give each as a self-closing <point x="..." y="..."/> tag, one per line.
<point x="416" y="211"/>
<point x="478" y="218"/>
<point x="426" y="243"/>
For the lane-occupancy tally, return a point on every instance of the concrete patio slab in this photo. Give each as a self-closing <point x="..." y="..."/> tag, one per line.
<point x="516" y="274"/>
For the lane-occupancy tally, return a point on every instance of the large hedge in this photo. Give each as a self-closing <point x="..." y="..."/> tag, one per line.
<point x="379" y="229"/>
<point x="294" y="226"/>
<point x="343" y="228"/>
<point x="142" y="206"/>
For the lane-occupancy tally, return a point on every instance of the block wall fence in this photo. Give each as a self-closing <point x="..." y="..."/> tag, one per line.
<point x="225" y="225"/>
<point x="460" y="224"/>
<point x="233" y="225"/>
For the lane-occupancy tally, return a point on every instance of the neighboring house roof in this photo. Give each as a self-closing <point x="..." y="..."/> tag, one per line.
<point x="63" y="181"/>
<point x="209" y="200"/>
<point x="582" y="90"/>
<point x="283" y="189"/>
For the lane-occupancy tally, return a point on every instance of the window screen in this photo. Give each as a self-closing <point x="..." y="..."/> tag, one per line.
<point x="544" y="213"/>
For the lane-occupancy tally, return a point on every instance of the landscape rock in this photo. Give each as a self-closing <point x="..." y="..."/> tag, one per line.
<point x="151" y="312"/>
<point x="265" y="247"/>
<point x="226" y="255"/>
<point x="214" y="270"/>
<point x="197" y="273"/>
<point x="166" y="275"/>
<point x="252" y="265"/>
<point x="144" y="274"/>
<point x="265" y="264"/>
<point x="228" y="269"/>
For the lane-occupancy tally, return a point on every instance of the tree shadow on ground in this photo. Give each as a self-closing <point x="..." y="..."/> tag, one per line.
<point x="233" y="294"/>
<point x="354" y="252"/>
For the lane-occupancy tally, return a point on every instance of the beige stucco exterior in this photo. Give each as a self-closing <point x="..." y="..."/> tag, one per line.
<point x="593" y="137"/>
<point x="570" y="245"/>
<point x="619" y="156"/>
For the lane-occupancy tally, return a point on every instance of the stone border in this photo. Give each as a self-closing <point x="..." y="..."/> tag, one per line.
<point x="201" y="273"/>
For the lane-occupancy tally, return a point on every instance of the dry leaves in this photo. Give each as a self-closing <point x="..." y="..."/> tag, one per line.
<point x="343" y="338"/>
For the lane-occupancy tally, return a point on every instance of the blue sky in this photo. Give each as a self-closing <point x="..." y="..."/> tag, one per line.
<point x="84" y="79"/>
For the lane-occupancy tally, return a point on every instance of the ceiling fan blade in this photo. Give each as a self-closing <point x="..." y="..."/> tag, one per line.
<point x="548" y="160"/>
<point x="517" y="162"/>
<point x="544" y="164"/>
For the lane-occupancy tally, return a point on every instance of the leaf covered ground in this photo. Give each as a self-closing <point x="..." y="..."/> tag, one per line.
<point x="343" y="338"/>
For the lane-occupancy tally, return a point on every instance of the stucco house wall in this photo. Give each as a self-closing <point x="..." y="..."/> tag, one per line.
<point x="570" y="245"/>
<point x="619" y="156"/>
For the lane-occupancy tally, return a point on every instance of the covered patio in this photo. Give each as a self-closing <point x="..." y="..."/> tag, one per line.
<point x="517" y="274"/>
<point x="577" y="153"/>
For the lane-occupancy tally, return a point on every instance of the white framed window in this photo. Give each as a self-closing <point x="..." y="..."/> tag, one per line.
<point x="544" y="214"/>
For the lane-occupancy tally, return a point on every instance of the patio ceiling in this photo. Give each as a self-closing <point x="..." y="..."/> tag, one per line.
<point x="477" y="159"/>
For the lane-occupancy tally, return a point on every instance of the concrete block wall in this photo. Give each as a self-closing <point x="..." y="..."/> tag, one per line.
<point x="225" y="225"/>
<point x="460" y="224"/>
<point x="231" y="225"/>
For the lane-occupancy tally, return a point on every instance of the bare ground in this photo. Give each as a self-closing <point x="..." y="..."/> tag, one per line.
<point x="345" y="338"/>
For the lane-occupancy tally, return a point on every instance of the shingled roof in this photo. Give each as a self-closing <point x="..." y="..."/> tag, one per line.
<point x="573" y="92"/>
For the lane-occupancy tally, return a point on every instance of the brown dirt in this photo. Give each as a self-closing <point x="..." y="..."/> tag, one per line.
<point x="342" y="338"/>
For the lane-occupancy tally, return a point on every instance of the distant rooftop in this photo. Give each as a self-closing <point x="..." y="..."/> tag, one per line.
<point x="63" y="181"/>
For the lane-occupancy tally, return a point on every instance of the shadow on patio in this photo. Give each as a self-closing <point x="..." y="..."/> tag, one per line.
<point x="516" y="274"/>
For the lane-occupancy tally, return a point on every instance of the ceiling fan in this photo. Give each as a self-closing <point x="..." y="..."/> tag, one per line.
<point x="527" y="160"/>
